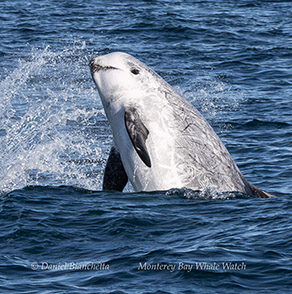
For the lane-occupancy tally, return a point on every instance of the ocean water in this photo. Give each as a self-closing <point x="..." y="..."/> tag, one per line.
<point x="59" y="232"/>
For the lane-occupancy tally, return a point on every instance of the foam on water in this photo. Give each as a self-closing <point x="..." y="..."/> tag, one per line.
<point x="206" y="194"/>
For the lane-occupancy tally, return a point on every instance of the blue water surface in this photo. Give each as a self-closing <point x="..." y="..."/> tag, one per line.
<point x="59" y="233"/>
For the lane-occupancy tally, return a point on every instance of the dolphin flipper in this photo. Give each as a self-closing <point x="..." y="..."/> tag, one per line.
<point x="115" y="177"/>
<point x="138" y="133"/>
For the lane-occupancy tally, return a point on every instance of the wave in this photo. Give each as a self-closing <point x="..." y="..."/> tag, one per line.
<point x="258" y="124"/>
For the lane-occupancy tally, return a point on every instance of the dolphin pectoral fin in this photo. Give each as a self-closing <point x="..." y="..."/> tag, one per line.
<point x="260" y="193"/>
<point x="138" y="133"/>
<point x="115" y="177"/>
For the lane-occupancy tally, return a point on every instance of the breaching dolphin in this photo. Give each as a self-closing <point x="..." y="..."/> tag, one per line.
<point x="160" y="140"/>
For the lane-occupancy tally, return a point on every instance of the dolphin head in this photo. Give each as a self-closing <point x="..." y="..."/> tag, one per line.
<point x="122" y="80"/>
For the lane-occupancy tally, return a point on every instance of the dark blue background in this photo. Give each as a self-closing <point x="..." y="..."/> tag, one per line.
<point x="231" y="59"/>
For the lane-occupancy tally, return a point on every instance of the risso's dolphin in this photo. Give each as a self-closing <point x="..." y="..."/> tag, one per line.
<point x="160" y="140"/>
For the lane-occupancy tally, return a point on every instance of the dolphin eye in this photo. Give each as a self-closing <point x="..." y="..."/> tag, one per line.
<point x="135" y="71"/>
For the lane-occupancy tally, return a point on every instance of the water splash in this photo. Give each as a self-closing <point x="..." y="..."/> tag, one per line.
<point x="50" y="122"/>
<point x="215" y="99"/>
<point x="206" y="194"/>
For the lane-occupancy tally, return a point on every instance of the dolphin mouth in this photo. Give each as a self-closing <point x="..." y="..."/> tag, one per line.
<point x="96" y="67"/>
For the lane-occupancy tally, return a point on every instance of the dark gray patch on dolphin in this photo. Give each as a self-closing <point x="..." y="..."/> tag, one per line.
<point x="138" y="133"/>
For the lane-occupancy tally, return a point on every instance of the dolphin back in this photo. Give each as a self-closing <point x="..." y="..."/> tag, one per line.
<point x="202" y="159"/>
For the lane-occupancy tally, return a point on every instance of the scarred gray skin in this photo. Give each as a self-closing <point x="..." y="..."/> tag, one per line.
<point x="183" y="148"/>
